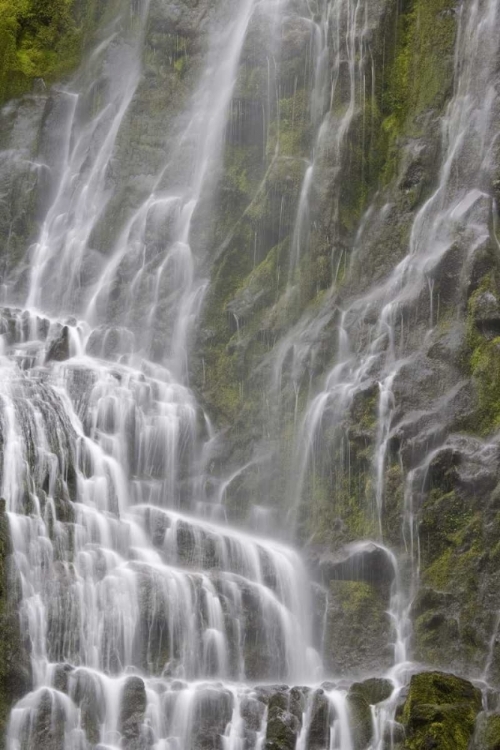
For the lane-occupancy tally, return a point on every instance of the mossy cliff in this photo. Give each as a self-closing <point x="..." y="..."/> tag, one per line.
<point x="42" y="40"/>
<point x="271" y="275"/>
<point x="270" y="326"/>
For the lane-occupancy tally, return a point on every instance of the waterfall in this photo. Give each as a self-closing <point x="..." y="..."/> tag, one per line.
<point x="143" y="619"/>
<point x="153" y="617"/>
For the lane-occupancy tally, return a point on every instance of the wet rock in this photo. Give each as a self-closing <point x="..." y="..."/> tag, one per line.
<point x="58" y="348"/>
<point x="133" y="708"/>
<point x="110" y="343"/>
<point x="61" y="677"/>
<point x="263" y="659"/>
<point x="15" y="646"/>
<point x="394" y="736"/>
<point x="360" y="719"/>
<point x="366" y="562"/>
<point x="252" y="711"/>
<point x="374" y="690"/>
<point x="486" y="732"/>
<point x="440" y="712"/>
<point x="86" y="691"/>
<point x="283" y="727"/>
<point x="319" y="729"/>
<point x="357" y="635"/>
<point x="47" y="730"/>
<point x="487" y="314"/>
<point x="213" y="711"/>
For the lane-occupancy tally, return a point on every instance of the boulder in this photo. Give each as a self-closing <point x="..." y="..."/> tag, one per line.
<point x="283" y="729"/>
<point x="213" y="711"/>
<point x="374" y="690"/>
<point x="319" y="728"/>
<point x="363" y="561"/>
<point x="133" y="708"/>
<point x="439" y="712"/>
<point x="360" y="717"/>
<point x="58" y="348"/>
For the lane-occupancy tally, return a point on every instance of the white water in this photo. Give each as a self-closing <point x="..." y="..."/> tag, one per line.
<point x="103" y="463"/>
<point x="121" y="575"/>
<point x="457" y="211"/>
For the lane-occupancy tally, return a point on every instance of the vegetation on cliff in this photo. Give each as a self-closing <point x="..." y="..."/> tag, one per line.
<point x="40" y="40"/>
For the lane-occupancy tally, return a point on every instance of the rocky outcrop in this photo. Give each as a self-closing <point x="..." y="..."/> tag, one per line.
<point x="440" y="711"/>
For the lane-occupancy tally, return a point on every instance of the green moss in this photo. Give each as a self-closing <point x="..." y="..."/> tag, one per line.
<point x="454" y="551"/>
<point x="440" y="712"/>
<point x="291" y="129"/>
<point x="38" y="39"/>
<point x="419" y="77"/>
<point x="484" y="364"/>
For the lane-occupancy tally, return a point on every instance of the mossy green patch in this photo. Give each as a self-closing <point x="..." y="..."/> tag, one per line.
<point x="484" y="362"/>
<point x="440" y="712"/>
<point x="419" y="76"/>
<point x="39" y="39"/>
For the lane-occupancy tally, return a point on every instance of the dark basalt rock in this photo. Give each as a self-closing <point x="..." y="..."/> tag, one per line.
<point x="213" y="710"/>
<point x="133" y="708"/>
<point x="86" y="691"/>
<point x="61" y="678"/>
<point x="282" y="729"/>
<point x="58" y="349"/>
<point x="366" y="562"/>
<point x="47" y="730"/>
<point x="360" y="719"/>
<point x="319" y="730"/>
<point x="374" y="689"/>
<point x="357" y="630"/>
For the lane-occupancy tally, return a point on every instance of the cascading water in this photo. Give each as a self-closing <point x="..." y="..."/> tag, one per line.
<point x="458" y="208"/>
<point x="134" y="609"/>
<point x="149" y="621"/>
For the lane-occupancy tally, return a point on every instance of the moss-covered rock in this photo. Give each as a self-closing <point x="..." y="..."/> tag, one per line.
<point x="440" y="712"/>
<point x="358" y="629"/>
<point x="282" y="730"/>
<point x="41" y="40"/>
